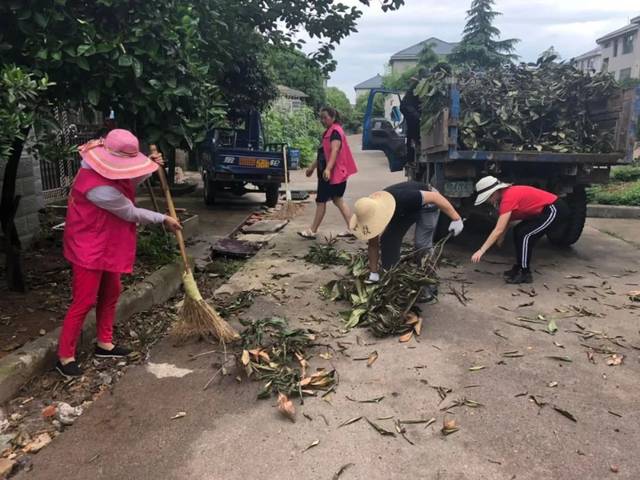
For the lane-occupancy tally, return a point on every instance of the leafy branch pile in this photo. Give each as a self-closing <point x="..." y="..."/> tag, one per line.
<point x="326" y="254"/>
<point x="275" y="354"/>
<point x="522" y="108"/>
<point x="387" y="307"/>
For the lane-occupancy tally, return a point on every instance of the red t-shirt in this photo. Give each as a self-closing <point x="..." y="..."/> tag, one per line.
<point x="524" y="202"/>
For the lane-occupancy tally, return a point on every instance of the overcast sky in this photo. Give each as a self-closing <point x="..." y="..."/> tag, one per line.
<point x="571" y="26"/>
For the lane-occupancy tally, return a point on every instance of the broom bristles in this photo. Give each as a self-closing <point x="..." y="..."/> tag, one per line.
<point x="289" y="210"/>
<point x="199" y="319"/>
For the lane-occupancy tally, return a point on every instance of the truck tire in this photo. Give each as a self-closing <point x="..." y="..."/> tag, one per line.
<point x="273" y="194"/>
<point x="209" y="192"/>
<point x="570" y="233"/>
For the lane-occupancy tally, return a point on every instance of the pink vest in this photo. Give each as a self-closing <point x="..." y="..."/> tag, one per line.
<point x="93" y="237"/>
<point x="345" y="165"/>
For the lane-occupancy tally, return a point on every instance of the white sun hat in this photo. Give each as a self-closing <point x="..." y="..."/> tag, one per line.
<point x="372" y="214"/>
<point x="486" y="186"/>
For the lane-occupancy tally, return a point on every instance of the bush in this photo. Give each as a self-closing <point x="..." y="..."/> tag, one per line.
<point x="626" y="174"/>
<point x="156" y="247"/>
<point x="299" y="129"/>
<point x="616" y="194"/>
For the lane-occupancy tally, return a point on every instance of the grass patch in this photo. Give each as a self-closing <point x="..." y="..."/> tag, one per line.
<point x="156" y="247"/>
<point x="617" y="193"/>
<point x="629" y="173"/>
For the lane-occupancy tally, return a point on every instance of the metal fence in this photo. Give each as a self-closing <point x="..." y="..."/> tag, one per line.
<point x="76" y="128"/>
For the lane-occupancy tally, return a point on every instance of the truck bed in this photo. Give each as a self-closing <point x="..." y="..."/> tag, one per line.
<point x="620" y="113"/>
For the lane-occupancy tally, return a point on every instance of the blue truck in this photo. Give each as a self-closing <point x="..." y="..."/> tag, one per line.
<point x="238" y="160"/>
<point x="453" y="172"/>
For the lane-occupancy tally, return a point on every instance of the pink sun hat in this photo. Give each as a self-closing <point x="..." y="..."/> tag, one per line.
<point x="117" y="156"/>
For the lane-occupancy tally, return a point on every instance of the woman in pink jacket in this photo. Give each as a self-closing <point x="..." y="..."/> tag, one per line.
<point x="100" y="238"/>
<point x="335" y="164"/>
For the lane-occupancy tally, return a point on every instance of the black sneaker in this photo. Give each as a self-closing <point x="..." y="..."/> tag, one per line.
<point x="520" y="277"/>
<point x="70" y="370"/>
<point x="115" y="352"/>
<point x="512" y="271"/>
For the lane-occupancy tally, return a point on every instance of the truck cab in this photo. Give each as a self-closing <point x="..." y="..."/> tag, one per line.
<point x="237" y="159"/>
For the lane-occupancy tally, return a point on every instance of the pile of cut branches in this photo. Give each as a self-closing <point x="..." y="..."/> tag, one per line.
<point x="389" y="306"/>
<point x="326" y="254"/>
<point x="275" y="354"/>
<point x="546" y="107"/>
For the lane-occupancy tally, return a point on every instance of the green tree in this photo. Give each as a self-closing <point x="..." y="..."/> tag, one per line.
<point x="337" y="99"/>
<point x="481" y="45"/>
<point x="20" y="98"/>
<point x="292" y="68"/>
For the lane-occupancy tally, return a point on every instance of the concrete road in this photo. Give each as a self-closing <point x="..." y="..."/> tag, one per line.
<point x="518" y="433"/>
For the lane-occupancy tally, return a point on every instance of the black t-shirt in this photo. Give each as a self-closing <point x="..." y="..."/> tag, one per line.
<point x="322" y="162"/>
<point x="408" y="197"/>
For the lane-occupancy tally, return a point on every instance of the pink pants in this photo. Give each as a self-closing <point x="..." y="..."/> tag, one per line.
<point x="90" y="288"/>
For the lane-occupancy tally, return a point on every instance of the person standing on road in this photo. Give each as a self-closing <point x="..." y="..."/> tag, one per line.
<point x="334" y="164"/>
<point x="537" y="211"/>
<point x="100" y="238"/>
<point x="383" y="219"/>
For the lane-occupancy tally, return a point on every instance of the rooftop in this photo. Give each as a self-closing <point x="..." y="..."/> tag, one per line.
<point x="291" y="92"/>
<point x="373" y="82"/>
<point x="590" y="54"/>
<point x="632" y="27"/>
<point x="440" y="47"/>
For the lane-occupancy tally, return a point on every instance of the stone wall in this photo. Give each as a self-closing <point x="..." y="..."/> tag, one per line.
<point x="29" y="187"/>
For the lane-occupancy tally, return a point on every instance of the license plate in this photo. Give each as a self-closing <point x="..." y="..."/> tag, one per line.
<point x="458" y="189"/>
<point x="262" y="163"/>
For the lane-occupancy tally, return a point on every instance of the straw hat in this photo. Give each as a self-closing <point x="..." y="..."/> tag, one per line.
<point x="486" y="186"/>
<point x="117" y="156"/>
<point x="372" y="214"/>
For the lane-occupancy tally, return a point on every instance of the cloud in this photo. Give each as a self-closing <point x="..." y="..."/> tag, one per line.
<point x="571" y="26"/>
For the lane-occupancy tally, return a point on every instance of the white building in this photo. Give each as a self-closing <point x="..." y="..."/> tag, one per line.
<point x="620" y="51"/>
<point x="590" y="62"/>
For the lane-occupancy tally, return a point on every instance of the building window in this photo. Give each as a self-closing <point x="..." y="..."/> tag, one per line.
<point x="627" y="43"/>
<point x="625" y="73"/>
<point x="605" y="65"/>
<point x="615" y="47"/>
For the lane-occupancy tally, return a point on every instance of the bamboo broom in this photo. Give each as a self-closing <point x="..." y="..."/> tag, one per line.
<point x="197" y="318"/>
<point x="290" y="208"/>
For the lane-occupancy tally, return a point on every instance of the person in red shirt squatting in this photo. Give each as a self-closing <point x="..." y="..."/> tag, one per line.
<point x="100" y="238"/>
<point x="537" y="212"/>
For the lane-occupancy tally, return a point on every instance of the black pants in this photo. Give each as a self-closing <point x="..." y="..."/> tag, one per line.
<point x="528" y="232"/>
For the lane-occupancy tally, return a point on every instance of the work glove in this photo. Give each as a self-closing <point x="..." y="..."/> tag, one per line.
<point x="373" y="278"/>
<point x="456" y="227"/>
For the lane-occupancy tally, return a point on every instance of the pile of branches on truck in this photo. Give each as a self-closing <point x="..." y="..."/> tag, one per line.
<point x="545" y="107"/>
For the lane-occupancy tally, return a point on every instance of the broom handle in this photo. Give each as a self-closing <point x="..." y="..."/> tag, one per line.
<point x="172" y="211"/>
<point x="286" y="174"/>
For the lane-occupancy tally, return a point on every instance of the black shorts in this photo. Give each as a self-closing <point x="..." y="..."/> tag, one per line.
<point x="327" y="192"/>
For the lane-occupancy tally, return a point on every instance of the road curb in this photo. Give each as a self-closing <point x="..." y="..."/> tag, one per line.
<point x="39" y="355"/>
<point x="612" y="211"/>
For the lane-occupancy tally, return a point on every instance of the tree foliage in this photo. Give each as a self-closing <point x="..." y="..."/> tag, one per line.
<point x="481" y="45"/>
<point x="298" y="128"/>
<point x="292" y="68"/>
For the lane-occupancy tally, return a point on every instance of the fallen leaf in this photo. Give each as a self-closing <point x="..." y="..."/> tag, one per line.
<point x="513" y="354"/>
<point x="559" y="358"/>
<point x="552" y="384"/>
<point x="565" y="413"/>
<point x="411" y="319"/>
<point x="285" y="407"/>
<point x="373" y="356"/>
<point x="370" y="400"/>
<point x="476" y="368"/>
<point x="449" y="426"/>
<point x="418" y="327"/>
<point x="315" y="443"/>
<point x="341" y="470"/>
<point x="614" y="468"/>
<point x="379" y="429"/>
<point x="179" y="415"/>
<point x="615" y="360"/>
<point x="552" y="327"/>
<point x="350" y="421"/>
<point x="406" y="337"/>
<point x="245" y="358"/>
<point x="326" y="356"/>
<point x="38" y="443"/>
